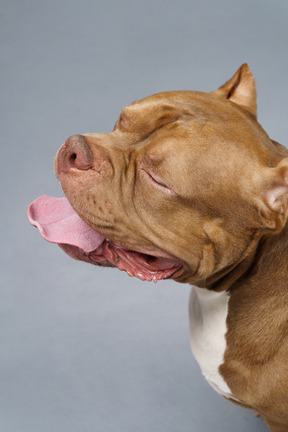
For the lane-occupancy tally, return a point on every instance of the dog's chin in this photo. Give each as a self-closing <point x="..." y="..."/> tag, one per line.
<point x="59" y="223"/>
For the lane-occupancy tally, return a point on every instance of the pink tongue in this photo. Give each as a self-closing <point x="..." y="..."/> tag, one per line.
<point x="59" y="223"/>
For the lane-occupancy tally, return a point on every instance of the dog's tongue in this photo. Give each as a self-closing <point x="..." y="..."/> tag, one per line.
<point x="59" y="223"/>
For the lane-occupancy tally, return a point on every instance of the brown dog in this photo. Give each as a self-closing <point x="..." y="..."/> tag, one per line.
<point x="189" y="186"/>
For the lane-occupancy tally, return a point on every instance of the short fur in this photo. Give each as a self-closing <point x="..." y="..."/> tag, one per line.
<point x="193" y="175"/>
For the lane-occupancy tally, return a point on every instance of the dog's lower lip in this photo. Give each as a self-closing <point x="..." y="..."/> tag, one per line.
<point x="145" y="266"/>
<point x="155" y="252"/>
<point x="136" y="260"/>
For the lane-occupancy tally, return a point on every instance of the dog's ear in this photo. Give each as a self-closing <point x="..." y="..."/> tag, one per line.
<point x="241" y="90"/>
<point x="275" y="196"/>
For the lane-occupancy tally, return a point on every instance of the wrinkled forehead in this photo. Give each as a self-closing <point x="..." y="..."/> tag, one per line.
<point x="209" y="120"/>
<point x="196" y="108"/>
<point x="162" y="108"/>
<point x="183" y="102"/>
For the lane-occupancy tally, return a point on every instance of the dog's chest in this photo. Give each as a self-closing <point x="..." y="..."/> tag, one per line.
<point x="208" y="312"/>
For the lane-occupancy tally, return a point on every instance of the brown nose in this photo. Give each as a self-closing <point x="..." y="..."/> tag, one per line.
<point x="75" y="153"/>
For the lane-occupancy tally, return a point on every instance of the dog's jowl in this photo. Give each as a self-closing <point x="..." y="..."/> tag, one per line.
<point x="189" y="186"/>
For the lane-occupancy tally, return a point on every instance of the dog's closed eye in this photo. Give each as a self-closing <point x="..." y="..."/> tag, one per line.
<point x="156" y="181"/>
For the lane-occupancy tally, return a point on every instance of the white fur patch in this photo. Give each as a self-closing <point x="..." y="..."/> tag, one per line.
<point x="208" y="312"/>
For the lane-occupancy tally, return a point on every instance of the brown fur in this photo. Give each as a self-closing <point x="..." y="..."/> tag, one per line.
<point x="225" y="217"/>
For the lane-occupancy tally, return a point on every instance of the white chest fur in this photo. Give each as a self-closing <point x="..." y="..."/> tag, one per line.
<point x="208" y="313"/>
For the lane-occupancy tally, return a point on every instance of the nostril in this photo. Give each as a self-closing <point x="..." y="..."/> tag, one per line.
<point x="75" y="154"/>
<point x="72" y="158"/>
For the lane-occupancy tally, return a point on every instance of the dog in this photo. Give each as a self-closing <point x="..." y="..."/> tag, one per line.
<point x="189" y="186"/>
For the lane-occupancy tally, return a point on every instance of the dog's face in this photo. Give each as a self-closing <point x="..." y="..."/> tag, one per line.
<point x="177" y="189"/>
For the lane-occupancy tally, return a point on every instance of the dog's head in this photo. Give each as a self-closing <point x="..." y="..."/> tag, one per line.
<point x="184" y="186"/>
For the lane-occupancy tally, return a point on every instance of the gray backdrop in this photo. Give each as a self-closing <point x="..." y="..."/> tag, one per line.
<point x="86" y="349"/>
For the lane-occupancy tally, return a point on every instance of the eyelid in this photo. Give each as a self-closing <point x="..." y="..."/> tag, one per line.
<point x="157" y="181"/>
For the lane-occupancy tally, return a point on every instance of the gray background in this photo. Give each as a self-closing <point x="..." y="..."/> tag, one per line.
<point x="86" y="349"/>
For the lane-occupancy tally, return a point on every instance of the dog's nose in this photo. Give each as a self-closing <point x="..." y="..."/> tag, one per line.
<point x="75" y="153"/>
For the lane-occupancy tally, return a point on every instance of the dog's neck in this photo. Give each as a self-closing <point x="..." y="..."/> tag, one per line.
<point x="260" y="255"/>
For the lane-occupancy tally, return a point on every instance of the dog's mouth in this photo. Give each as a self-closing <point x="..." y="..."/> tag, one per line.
<point x="59" y="223"/>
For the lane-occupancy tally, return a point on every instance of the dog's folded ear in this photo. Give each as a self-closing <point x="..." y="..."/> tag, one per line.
<point x="276" y="195"/>
<point x="241" y="90"/>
